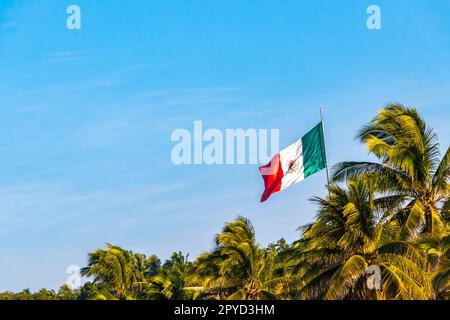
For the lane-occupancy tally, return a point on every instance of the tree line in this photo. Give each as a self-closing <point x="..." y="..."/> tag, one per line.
<point x="391" y="216"/>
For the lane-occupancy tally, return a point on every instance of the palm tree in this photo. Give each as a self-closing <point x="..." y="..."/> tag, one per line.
<point x="66" y="293"/>
<point x="45" y="294"/>
<point x="172" y="281"/>
<point x="437" y="249"/>
<point x="348" y="239"/>
<point x="238" y="268"/>
<point x="91" y="291"/>
<point x="114" y="269"/>
<point x="152" y="266"/>
<point x="24" y="295"/>
<point x="414" y="181"/>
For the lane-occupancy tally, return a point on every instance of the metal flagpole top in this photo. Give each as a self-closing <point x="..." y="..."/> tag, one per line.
<point x="325" y="144"/>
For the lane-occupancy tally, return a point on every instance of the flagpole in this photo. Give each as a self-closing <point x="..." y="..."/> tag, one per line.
<point x="324" y="144"/>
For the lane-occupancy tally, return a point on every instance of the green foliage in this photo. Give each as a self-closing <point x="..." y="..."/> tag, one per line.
<point x="346" y="239"/>
<point x="392" y="215"/>
<point x="172" y="281"/>
<point x="411" y="175"/>
<point x="239" y="268"/>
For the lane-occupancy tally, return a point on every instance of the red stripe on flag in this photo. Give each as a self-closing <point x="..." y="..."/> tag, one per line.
<point x="272" y="174"/>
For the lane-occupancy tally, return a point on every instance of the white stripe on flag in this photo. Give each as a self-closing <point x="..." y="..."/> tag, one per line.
<point x="291" y="160"/>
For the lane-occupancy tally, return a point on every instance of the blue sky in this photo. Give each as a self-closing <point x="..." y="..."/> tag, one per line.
<point x="86" y="116"/>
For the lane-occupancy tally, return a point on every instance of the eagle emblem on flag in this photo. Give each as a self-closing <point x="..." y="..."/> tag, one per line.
<point x="293" y="166"/>
<point x="295" y="163"/>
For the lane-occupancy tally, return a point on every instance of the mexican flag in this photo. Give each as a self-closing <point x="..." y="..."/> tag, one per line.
<point x="295" y="163"/>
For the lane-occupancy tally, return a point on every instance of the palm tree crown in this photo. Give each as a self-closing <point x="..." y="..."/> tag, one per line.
<point x="410" y="174"/>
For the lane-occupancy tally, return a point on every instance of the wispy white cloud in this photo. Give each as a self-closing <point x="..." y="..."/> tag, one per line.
<point x="134" y="124"/>
<point x="35" y="207"/>
<point x="190" y="96"/>
<point x="63" y="56"/>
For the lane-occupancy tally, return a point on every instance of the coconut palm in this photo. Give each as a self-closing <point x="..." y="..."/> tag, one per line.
<point x="66" y="293"/>
<point x="91" y="291"/>
<point x="113" y="269"/>
<point x="152" y="266"/>
<point x="238" y="268"/>
<point x="168" y="285"/>
<point x="414" y="181"/>
<point x="172" y="282"/>
<point x="437" y="249"/>
<point x="347" y="241"/>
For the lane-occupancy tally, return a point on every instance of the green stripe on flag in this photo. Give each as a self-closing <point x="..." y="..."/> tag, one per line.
<point x="314" y="157"/>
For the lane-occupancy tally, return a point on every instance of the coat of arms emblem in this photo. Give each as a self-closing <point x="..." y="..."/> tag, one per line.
<point x="293" y="166"/>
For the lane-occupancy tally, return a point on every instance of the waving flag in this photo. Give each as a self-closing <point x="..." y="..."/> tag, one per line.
<point x="295" y="163"/>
